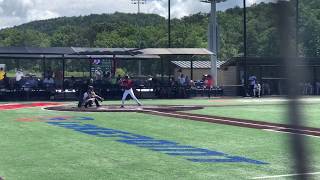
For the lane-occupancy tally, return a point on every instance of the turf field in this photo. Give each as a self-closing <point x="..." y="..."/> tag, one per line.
<point x="39" y="144"/>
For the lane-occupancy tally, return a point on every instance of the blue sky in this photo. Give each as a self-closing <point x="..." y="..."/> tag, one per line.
<point x="16" y="12"/>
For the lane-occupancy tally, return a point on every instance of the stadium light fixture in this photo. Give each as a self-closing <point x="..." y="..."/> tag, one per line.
<point x="138" y="2"/>
<point x="142" y="2"/>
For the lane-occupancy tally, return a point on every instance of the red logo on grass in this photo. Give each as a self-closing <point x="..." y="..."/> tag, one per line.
<point x="27" y="105"/>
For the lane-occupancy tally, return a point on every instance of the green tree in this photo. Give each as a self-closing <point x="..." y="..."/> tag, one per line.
<point x="30" y="38"/>
<point x="67" y="36"/>
<point x="309" y="31"/>
<point x="113" y="40"/>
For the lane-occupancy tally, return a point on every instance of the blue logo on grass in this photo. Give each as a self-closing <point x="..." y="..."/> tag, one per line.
<point x="171" y="148"/>
<point x="55" y="118"/>
<point x="65" y="118"/>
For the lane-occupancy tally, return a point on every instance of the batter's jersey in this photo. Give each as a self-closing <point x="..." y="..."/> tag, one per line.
<point x="127" y="84"/>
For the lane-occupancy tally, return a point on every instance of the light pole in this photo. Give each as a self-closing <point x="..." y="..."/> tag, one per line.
<point x="212" y="37"/>
<point x="245" y="45"/>
<point x="169" y="23"/>
<point x="297" y="28"/>
<point x="139" y="2"/>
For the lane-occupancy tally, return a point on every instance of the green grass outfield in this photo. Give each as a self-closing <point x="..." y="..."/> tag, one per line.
<point x="37" y="150"/>
<point x="268" y="112"/>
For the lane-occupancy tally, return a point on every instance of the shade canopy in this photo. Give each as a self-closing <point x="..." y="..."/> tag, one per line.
<point x="105" y="51"/>
<point x="195" y="64"/>
<point x="175" y="51"/>
<point x="73" y="52"/>
<point x="50" y="56"/>
<point x="36" y="50"/>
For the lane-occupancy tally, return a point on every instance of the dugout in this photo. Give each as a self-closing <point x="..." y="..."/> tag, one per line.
<point x="60" y="60"/>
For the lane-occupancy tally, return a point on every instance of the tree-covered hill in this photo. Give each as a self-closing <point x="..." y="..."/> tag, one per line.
<point x="150" y="30"/>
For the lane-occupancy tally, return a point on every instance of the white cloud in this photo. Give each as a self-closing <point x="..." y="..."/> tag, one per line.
<point x="15" y="12"/>
<point x="9" y="21"/>
<point x="35" y="14"/>
<point x="179" y="8"/>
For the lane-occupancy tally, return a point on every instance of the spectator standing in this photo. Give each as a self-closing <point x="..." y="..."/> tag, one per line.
<point x="2" y="73"/>
<point x="6" y="82"/>
<point x="187" y="81"/>
<point x="257" y="90"/>
<point x="19" y="79"/>
<point x="98" y="74"/>
<point x="318" y="88"/>
<point x="181" y="79"/>
<point x="252" y="81"/>
<point x="58" y="78"/>
<point x="208" y="84"/>
<point x="19" y="75"/>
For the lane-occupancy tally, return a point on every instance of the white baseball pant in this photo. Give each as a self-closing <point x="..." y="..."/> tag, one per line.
<point x="126" y="93"/>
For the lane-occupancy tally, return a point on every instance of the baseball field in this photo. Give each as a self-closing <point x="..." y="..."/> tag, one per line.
<point x="218" y="138"/>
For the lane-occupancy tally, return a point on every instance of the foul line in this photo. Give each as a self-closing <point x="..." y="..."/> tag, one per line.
<point x="263" y="127"/>
<point x="217" y="119"/>
<point x="286" y="175"/>
<point x="284" y="132"/>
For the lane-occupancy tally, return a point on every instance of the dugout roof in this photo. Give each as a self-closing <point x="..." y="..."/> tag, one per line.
<point x="195" y="64"/>
<point x="36" y="52"/>
<point x="50" y="56"/>
<point x="175" y="51"/>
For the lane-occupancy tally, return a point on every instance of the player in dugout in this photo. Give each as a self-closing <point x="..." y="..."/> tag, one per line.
<point x="127" y="85"/>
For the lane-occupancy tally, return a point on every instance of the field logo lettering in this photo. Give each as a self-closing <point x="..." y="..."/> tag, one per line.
<point x="55" y="118"/>
<point x="171" y="148"/>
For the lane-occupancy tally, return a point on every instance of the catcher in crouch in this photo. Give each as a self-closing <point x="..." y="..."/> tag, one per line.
<point x="90" y="96"/>
<point x="127" y="84"/>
